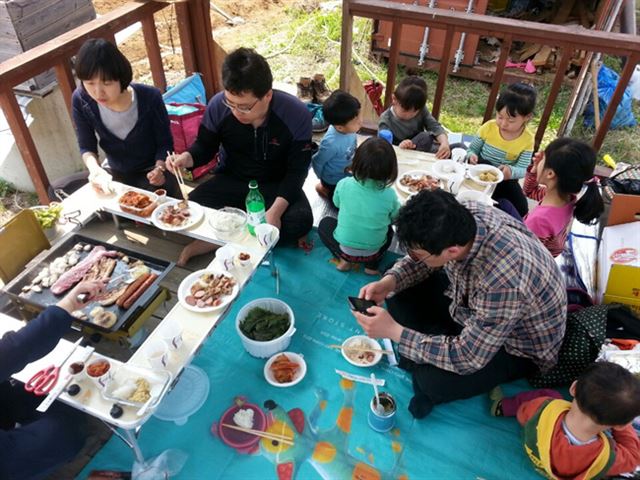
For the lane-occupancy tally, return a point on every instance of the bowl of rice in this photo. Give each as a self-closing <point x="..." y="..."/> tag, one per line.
<point x="228" y="223"/>
<point x="366" y="351"/>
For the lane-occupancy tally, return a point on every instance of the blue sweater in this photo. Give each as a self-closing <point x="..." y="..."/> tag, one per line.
<point x="334" y="155"/>
<point x="147" y="142"/>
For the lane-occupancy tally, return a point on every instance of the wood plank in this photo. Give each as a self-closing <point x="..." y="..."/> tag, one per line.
<point x="153" y="53"/>
<point x="186" y="43"/>
<point x="355" y="88"/>
<point x="67" y="84"/>
<point x="396" y="32"/>
<point x="346" y="44"/>
<point x="25" y="143"/>
<point x="53" y="28"/>
<point x="542" y="57"/>
<point x="497" y="78"/>
<point x="74" y="13"/>
<point x="443" y="72"/>
<point x="530" y="51"/>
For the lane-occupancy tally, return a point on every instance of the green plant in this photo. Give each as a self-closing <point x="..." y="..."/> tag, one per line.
<point x="6" y="188"/>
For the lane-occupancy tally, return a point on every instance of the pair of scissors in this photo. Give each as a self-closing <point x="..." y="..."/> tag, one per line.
<point x="44" y="380"/>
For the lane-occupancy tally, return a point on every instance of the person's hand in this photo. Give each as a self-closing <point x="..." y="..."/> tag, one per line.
<point x="156" y="176"/>
<point x="380" y="290"/>
<point x="274" y="218"/>
<point x="473" y="159"/>
<point x="92" y="288"/>
<point x="537" y="157"/>
<point x="184" y="160"/>
<point x="444" y="151"/>
<point x="379" y="324"/>
<point x="407" y="145"/>
<point x="100" y="180"/>
<point x="506" y="171"/>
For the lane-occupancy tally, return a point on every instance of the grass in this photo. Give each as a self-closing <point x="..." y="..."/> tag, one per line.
<point x="310" y="43"/>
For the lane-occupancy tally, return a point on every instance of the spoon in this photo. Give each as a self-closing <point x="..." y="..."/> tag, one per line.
<point x="379" y="408"/>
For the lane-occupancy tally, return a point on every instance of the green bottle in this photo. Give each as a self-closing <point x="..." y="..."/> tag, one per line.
<point x="255" y="207"/>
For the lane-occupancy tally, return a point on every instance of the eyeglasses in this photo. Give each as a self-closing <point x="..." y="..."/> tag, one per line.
<point x="413" y="256"/>
<point x="238" y="108"/>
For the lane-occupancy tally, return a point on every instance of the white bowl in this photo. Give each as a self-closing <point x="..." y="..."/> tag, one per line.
<point x="474" y="195"/>
<point x="476" y="170"/>
<point x="232" y="231"/>
<point x="299" y="375"/>
<point x="270" y="347"/>
<point x="447" y="169"/>
<point x="370" y="343"/>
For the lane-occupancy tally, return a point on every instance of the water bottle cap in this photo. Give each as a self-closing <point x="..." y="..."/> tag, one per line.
<point x="253" y="184"/>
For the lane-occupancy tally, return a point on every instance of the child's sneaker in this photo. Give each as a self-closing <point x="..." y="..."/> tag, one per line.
<point x="320" y="90"/>
<point x="305" y="90"/>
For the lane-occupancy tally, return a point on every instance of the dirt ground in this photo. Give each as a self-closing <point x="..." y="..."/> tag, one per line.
<point x="255" y="13"/>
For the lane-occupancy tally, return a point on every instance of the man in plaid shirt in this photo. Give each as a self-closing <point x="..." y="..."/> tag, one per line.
<point x="478" y="300"/>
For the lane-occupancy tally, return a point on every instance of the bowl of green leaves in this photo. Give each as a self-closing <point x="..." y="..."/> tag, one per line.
<point x="265" y="326"/>
<point x="48" y="215"/>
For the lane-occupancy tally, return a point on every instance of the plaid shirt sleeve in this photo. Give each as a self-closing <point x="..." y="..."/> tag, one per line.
<point x="494" y="315"/>
<point x="408" y="273"/>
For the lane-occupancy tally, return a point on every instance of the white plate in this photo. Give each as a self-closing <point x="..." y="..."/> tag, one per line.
<point x="441" y="166"/>
<point x="412" y="173"/>
<point x="299" y="375"/>
<point x="197" y="212"/>
<point x="184" y="290"/>
<point x="476" y="170"/>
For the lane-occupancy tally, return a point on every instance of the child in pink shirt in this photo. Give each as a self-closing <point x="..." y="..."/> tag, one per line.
<point x="555" y="178"/>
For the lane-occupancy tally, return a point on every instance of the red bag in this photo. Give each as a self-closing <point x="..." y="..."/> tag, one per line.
<point x="184" y="130"/>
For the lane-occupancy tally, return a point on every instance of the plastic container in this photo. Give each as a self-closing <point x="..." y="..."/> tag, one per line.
<point x="271" y="347"/>
<point x="145" y="211"/>
<point x="297" y="377"/>
<point x="235" y="228"/>
<point x="186" y="398"/>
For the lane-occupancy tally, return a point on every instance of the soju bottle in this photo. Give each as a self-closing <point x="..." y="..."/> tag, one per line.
<point x="255" y="207"/>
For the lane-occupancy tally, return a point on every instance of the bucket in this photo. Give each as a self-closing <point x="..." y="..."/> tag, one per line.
<point x="271" y="347"/>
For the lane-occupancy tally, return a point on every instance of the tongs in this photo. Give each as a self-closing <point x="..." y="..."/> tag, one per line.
<point x="119" y="279"/>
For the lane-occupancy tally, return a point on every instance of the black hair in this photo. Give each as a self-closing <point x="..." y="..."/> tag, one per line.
<point x="573" y="162"/>
<point x="609" y="394"/>
<point x="411" y="93"/>
<point x="245" y="70"/>
<point x="434" y="221"/>
<point x="518" y="98"/>
<point x="375" y="159"/>
<point x="99" y="57"/>
<point x="340" y="108"/>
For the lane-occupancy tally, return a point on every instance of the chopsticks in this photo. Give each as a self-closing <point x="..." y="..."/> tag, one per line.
<point x="358" y="349"/>
<point x="259" y="433"/>
<point x="178" y="176"/>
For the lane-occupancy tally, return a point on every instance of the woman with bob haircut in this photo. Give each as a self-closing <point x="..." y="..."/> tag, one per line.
<point x="129" y="119"/>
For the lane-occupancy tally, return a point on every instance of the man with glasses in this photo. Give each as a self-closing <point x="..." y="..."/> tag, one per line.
<point x="260" y="134"/>
<point x="478" y="300"/>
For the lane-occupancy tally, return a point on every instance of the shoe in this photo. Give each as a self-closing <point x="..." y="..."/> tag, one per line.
<point x="320" y="90"/>
<point x="305" y="90"/>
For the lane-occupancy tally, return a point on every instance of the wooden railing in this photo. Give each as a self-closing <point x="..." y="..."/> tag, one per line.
<point x="567" y="39"/>
<point x="194" y="26"/>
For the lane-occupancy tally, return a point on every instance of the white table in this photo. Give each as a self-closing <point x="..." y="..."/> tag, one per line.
<point x="196" y="326"/>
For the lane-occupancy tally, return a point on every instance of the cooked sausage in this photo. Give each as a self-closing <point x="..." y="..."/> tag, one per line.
<point x="141" y="289"/>
<point x="131" y="288"/>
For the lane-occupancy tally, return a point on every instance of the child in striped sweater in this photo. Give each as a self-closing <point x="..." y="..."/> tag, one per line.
<point x="555" y="178"/>
<point x="507" y="143"/>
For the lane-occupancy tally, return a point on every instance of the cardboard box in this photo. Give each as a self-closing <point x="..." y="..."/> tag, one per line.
<point x="619" y="265"/>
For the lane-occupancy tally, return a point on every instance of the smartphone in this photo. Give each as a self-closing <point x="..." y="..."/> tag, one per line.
<point x="360" y="304"/>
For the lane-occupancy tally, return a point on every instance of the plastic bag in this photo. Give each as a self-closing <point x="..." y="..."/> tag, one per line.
<point x="607" y="82"/>
<point x="166" y="465"/>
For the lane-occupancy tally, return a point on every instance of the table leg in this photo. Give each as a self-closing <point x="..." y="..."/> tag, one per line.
<point x="275" y="272"/>
<point x="116" y="221"/>
<point x="129" y="437"/>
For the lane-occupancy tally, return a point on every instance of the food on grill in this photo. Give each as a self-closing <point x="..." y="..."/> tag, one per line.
<point x="417" y="183"/>
<point x="105" y="319"/>
<point x="103" y="268"/>
<point x="488" y="176"/>
<point x="137" y="203"/>
<point x="109" y="297"/>
<point x="76" y="273"/>
<point x="262" y="325"/>
<point x="209" y="289"/>
<point x="175" y="215"/>
<point x="131" y="299"/>
<point x="283" y="369"/>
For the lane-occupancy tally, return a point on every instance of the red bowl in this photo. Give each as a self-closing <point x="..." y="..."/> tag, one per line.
<point x="235" y="438"/>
